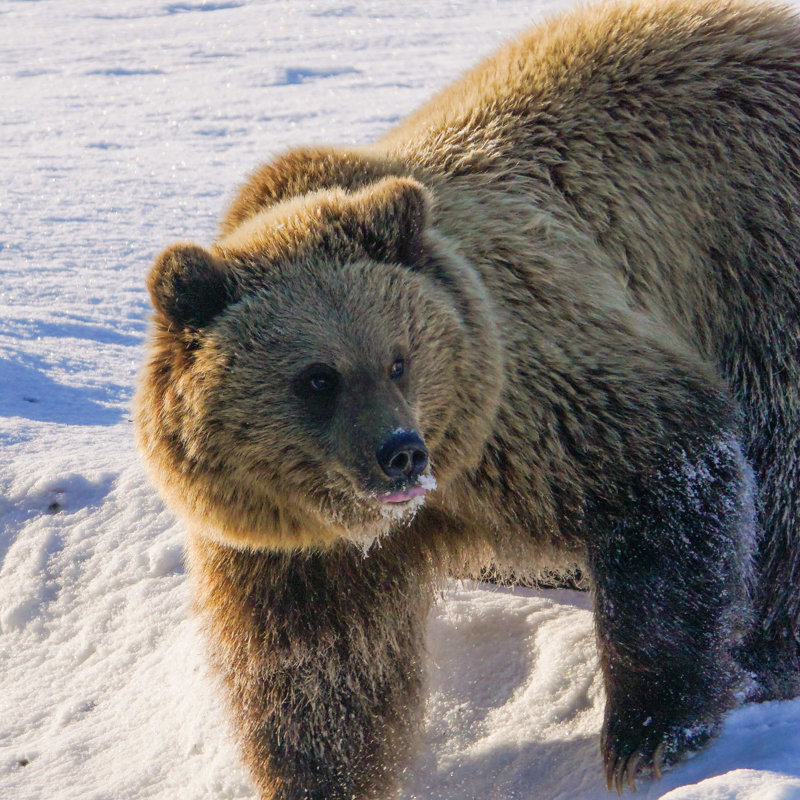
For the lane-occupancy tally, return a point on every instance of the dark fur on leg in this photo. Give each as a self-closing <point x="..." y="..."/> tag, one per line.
<point x="671" y="568"/>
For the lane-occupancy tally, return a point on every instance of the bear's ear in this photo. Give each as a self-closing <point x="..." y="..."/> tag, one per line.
<point x="391" y="215"/>
<point x="190" y="286"/>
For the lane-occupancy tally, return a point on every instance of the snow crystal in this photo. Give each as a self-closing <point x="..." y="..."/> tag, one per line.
<point x="427" y="482"/>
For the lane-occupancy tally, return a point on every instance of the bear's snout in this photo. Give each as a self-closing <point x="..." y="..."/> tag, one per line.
<point x="403" y="455"/>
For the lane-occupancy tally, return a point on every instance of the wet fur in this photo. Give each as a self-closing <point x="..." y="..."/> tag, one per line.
<point x="597" y="226"/>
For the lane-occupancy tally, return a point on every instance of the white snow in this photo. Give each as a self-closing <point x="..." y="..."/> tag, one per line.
<point x="427" y="482"/>
<point x="125" y="126"/>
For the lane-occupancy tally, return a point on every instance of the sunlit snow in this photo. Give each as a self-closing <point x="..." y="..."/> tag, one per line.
<point x="125" y="126"/>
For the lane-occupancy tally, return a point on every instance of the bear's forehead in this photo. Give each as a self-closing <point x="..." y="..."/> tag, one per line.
<point x="311" y="328"/>
<point x="314" y="291"/>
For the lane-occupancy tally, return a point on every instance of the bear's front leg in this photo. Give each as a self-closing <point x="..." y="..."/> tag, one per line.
<point x="671" y="564"/>
<point x="321" y="654"/>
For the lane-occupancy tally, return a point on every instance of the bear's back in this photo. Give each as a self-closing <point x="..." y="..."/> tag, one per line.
<point x="658" y="140"/>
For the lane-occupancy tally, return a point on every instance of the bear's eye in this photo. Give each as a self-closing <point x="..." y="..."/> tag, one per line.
<point x="317" y="382"/>
<point x="397" y="370"/>
<point x="320" y="383"/>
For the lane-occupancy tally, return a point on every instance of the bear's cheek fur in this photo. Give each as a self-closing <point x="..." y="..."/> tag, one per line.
<point x="435" y="389"/>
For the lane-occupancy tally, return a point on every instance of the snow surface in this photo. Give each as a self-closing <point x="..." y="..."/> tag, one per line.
<point x="125" y="126"/>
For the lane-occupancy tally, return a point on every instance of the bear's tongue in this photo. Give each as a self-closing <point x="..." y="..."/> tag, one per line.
<point x="402" y="497"/>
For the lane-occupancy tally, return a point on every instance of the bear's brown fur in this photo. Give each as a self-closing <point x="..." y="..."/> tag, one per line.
<point x="566" y="291"/>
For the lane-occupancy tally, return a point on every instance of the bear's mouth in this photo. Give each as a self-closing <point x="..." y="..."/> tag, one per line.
<point x="403" y="496"/>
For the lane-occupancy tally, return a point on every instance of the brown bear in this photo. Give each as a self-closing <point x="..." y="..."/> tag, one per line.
<point x="552" y="319"/>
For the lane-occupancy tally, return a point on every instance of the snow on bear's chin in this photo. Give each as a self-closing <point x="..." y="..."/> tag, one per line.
<point x="392" y="512"/>
<point x="402" y="511"/>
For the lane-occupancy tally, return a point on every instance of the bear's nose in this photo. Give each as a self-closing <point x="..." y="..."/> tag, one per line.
<point x="403" y="454"/>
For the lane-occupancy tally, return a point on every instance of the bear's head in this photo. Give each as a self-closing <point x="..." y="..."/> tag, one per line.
<point x="316" y="372"/>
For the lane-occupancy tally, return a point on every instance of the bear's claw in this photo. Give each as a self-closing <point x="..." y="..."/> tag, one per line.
<point x="623" y="769"/>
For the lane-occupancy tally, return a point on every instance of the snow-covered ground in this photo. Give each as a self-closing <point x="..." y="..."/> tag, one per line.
<point x="124" y="126"/>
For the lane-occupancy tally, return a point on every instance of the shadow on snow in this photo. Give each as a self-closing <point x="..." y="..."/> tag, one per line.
<point x="27" y="392"/>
